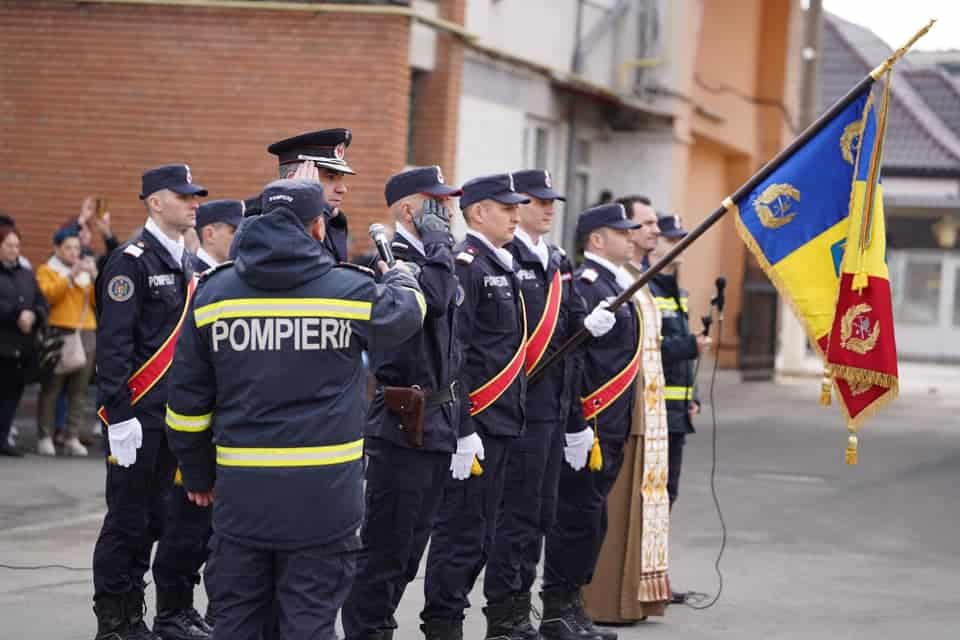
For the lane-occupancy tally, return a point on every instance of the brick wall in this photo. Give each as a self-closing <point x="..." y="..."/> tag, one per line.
<point x="91" y="95"/>
<point x="436" y="118"/>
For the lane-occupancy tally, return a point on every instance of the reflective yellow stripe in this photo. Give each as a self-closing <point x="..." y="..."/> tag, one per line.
<point x="283" y="308"/>
<point x="420" y="301"/>
<point x="670" y="304"/>
<point x="678" y="393"/>
<point x="290" y="456"/>
<point x="190" y="424"/>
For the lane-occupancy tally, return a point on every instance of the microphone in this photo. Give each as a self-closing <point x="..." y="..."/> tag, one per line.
<point x="707" y="321"/>
<point x="720" y="299"/>
<point x="378" y="234"/>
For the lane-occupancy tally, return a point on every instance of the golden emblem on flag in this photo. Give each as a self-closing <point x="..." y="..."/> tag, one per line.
<point x="774" y="206"/>
<point x="849" y="141"/>
<point x="856" y="332"/>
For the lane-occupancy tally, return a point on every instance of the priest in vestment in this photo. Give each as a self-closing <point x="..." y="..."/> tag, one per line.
<point x="630" y="581"/>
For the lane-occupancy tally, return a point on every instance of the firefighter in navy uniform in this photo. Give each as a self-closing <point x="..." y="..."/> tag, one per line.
<point x="679" y="349"/>
<point x="408" y="457"/>
<point x="269" y="369"/>
<point x="217" y="223"/>
<point x="142" y="295"/>
<point x="610" y="366"/>
<point x="491" y="326"/>
<point x="320" y="156"/>
<point x="553" y="314"/>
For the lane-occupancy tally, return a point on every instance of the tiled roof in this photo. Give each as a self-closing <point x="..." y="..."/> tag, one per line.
<point x="924" y="104"/>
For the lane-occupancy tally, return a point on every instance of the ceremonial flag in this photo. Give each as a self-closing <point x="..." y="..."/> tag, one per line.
<point x="795" y="221"/>
<point x="861" y="353"/>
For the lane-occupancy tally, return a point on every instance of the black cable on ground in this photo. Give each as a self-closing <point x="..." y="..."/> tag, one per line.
<point x="693" y="599"/>
<point x="42" y="567"/>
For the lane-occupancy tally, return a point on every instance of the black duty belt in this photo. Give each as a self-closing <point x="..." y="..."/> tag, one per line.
<point x="443" y="396"/>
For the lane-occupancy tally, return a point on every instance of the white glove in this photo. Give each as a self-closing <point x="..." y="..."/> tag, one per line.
<point x="578" y="448"/>
<point x="461" y="461"/>
<point x="125" y="438"/>
<point x="599" y="321"/>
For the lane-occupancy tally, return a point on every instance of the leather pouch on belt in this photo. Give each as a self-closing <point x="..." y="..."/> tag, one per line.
<point x="409" y="403"/>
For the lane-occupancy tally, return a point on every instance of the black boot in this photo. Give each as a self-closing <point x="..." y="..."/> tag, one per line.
<point x="176" y="618"/>
<point x="560" y="620"/>
<point x="442" y="630"/>
<point x="522" y="627"/>
<point x="587" y="624"/>
<point x="134" y="608"/>
<point x="111" y="623"/>
<point x="500" y="620"/>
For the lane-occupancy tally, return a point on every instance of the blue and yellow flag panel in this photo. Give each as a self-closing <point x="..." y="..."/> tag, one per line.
<point x="796" y="220"/>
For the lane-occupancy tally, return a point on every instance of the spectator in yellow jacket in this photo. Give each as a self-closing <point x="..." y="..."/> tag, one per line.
<point x="66" y="280"/>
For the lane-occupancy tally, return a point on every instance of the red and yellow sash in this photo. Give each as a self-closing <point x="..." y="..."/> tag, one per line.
<point x="540" y="339"/>
<point x="490" y="392"/>
<point x="603" y="397"/>
<point x="148" y="375"/>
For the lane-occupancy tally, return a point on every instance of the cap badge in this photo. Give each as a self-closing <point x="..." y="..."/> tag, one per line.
<point x="339" y="150"/>
<point x="439" y="174"/>
<point x="510" y="178"/>
<point x="189" y="175"/>
<point x="546" y="180"/>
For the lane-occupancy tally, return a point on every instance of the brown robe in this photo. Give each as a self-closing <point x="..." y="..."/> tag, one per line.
<point x="630" y="581"/>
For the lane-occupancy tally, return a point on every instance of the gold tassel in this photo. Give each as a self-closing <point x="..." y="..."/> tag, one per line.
<point x="826" y="387"/>
<point x="596" y="456"/>
<point x="475" y="468"/>
<point x="859" y="281"/>
<point x="852" y="444"/>
<point x="178" y="478"/>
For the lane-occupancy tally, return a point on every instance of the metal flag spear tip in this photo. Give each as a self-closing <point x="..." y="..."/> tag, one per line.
<point x="729" y="203"/>
<point x="902" y="51"/>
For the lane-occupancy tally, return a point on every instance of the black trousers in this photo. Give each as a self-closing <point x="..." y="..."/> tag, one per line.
<point x="675" y="464"/>
<point x="304" y="588"/>
<point x="11" y="390"/>
<point x="403" y="492"/>
<point x="574" y="542"/>
<point x="527" y="512"/>
<point x="463" y="534"/>
<point x="144" y="507"/>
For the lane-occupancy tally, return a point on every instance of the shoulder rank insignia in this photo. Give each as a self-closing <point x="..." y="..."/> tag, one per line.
<point x="399" y="245"/>
<point x="561" y="252"/>
<point x="588" y="274"/>
<point x="134" y="250"/>
<point x="465" y="257"/>
<point x="358" y="267"/>
<point x="212" y="270"/>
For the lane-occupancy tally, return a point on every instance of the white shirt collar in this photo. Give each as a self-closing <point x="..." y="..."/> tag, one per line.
<point x="624" y="279"/>
<point x="504" y="256"/>
<point x="206" y="257"/>
<point x="174" y="248"/>
<point x="541" y="250"/>
<point x="416" y="243"/>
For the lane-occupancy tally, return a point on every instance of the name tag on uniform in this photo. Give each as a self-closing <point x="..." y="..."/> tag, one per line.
<point x="162" y="280"/>
<point x="495" y="281"/>
<point x="526" y="274"/>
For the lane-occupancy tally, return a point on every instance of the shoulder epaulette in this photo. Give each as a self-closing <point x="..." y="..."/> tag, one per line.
<point x="358" y="267"/>
<point x="135" y="250"/>
<point x="588" y="274"/>
<point x="399" y="245"/>
<point x="465" y="257"/>
<point x="212" y="270"/>
<point x="561" y="252"/>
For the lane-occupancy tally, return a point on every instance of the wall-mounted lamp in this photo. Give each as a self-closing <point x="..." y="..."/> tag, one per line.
<point x="945" y="232"/>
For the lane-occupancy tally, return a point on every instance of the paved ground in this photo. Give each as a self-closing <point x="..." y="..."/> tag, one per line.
<point x="816" y="549"/>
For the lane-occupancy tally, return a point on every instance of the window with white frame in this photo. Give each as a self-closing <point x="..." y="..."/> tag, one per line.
<point x="583" y="173"/>
<point x="537" y="145"/>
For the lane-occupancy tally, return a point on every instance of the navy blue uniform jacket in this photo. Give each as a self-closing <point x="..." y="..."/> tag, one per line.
<point x="608" y="355"/>
<point x="491" y="328"/>
<point x="267" y="382"/>
<point x="140" y="297"/>
<point x="429" y="359"/>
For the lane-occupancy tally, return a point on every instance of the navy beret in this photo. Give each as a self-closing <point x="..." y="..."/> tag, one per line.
<point x="497" y="187"/>
<point x="426" y="180"/>
<point x="304" y="198"/>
